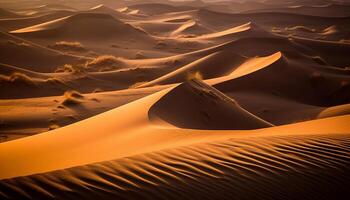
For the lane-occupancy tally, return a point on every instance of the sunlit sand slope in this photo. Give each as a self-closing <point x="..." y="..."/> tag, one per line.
<point x="308" y="160"/>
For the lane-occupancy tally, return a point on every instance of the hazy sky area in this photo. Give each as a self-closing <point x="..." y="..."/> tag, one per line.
<point x="14" y="4"/>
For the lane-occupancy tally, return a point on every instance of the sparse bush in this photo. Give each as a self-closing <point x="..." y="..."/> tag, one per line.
<point x="71" y="68"/>
<point x="195" y="75"/>
<point x="68" y="46"/>
<point x="72" y="98"/>
<point x="53" y="127"/>
<point x="105" y="62"/>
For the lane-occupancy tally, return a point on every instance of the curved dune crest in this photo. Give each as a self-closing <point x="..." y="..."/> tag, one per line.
<point x="213" y="65"/>
<point x="228" y="32"/>
<point x="183" y="27"/>
<point x="44" y="26"/>
<point x="98" y="26"/>
<point x="106" y="10"/>
<point x="248" y="67"/>
<point x="80" y="147"/>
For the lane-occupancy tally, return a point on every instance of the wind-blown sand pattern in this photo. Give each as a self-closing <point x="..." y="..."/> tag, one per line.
<point x="174" y="100"/>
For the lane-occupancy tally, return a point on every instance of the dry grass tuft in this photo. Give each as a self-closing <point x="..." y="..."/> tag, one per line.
<point x="72" y="98"/>
<point x="53" y="127"/>
<point x="195" y="75"/>
<point x="105" y="62"/>
<point x="68" y="46"/>
<point x="74" y="69"/>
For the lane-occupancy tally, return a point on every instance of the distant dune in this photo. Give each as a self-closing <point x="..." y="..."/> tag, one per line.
<point x="91" y="26"/>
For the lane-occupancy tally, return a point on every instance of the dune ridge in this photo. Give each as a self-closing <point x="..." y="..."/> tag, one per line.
<point x="107" y="27"/>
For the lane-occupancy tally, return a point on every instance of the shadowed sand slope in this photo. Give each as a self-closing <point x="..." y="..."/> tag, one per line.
<point x="203" y="107"/>
<point x="28" y="55"/>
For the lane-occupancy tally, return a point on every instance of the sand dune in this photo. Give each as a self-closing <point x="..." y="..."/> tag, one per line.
<point x="55" y="7"/>
<point x="23" y="22"/>
<point x="190" y="28"/>
<point x="332" y="10"/>
<point x="157" y="8"/>
<point x="225" y="33"/>
<point x="205" y="68"/>
<point x="309" y="83"/>
<point x="60" y="142"/>
<point x="96" y="26"/>
<point x="195" y="112"/>
<point x="25" y="54"/>
<point x="106" y="10"/>
<point x="281" y="142"/>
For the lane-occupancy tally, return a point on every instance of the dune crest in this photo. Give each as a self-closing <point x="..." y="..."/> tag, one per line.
<point x="203" y="107"/>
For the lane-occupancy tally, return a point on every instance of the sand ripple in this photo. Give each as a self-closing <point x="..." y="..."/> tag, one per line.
<point x="283" y="167"/>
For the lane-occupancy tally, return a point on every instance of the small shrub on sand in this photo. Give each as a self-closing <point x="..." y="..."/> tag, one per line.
<point x="105" y="61"/>
<point x="71" y="69"/>
<point x="72" y="98"/>
<point x="53" y="127"/>
<point x="68" y="46"/>
<point x="196" y="75"/>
